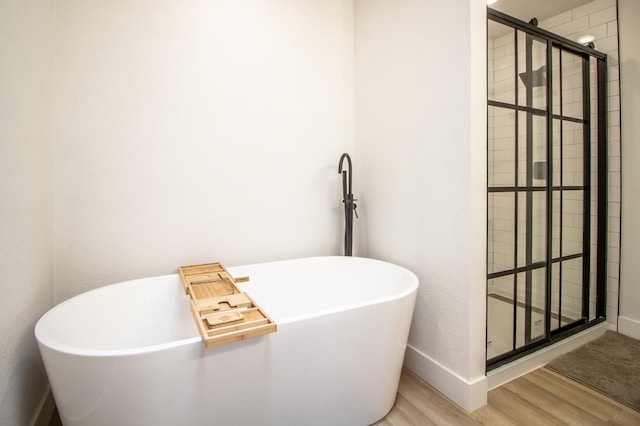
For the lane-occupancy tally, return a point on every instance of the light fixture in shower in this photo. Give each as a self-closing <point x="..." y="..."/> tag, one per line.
<point x="490" y="2"/>
<point x="586" y="40"/>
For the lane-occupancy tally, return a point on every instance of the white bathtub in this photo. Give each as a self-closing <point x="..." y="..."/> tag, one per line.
<point x="130" y="353"/>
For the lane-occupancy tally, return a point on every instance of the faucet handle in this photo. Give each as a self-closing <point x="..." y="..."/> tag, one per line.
<point x="355" y="209"/>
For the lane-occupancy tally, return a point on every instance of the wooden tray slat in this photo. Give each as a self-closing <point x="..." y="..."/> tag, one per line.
<point x="222" y="312"/>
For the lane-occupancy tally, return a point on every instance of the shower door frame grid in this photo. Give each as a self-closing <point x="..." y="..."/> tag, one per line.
<point x="551" y="336"/>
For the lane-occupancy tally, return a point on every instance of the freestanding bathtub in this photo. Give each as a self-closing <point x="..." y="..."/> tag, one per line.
<point x="130" y="353"/>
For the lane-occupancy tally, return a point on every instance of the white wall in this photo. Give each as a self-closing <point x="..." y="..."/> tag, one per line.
<point x="197" y="131"/>
<point x="26" y="141"/>
<point x="628" y="15"/>
<point x="421" y="144"/>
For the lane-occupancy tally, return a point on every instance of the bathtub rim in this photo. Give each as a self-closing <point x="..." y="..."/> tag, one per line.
<point x="44" y="339"/>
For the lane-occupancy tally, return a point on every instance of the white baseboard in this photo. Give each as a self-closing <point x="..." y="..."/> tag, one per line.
<point x="43" y="414"/>
<point x="469" y="395"/>
<point x="533" y="361"/>
<point x="629" y="327"/>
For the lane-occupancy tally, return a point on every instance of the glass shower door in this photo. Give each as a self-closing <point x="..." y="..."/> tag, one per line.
<point x="541" y="190"/>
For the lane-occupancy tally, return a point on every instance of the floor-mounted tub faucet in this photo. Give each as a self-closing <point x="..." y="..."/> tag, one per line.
<point x="349" y="204"/>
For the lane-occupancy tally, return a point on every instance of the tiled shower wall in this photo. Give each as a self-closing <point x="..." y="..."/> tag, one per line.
<point x="502" y="173"/>
<point x="598" y="18"/>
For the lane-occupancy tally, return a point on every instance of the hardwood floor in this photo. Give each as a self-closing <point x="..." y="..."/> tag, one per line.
<point x="541" y="397"/>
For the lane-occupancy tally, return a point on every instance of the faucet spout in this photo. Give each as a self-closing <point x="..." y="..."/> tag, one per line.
<point x="348" y="158"/>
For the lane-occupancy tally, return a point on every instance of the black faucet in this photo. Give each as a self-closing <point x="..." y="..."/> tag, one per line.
<point x="349" y="205"/>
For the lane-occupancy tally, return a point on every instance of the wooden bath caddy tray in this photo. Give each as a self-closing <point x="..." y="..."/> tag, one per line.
<point x="223" y="313"/>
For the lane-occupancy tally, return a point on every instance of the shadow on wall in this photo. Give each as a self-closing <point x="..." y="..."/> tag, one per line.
<point x="29" y="377"/>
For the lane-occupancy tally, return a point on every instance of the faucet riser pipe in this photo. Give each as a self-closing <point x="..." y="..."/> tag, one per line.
<point x="348" y="200"/>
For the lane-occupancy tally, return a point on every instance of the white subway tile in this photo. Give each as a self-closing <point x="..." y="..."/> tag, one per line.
<point x="509" y="49"/>
<point x="571" y="27"/>
<point x="599" y="31"/>
<point x="614" y="166"/>
<point x="613" y="209"/>
<point x="503" y="62"/>
<point x="604" y="16"/>
<point x="613" y="133"/>
<point x="572" y="110"/>
<point x="613" y="225"/>
<point x="613" y="243"/>
<point x="503" y="74"/>
<point x="503" y="41"/>
<point x="567" y="96"/>
<point x="613" y="73"/>
<point x="556" y="20"/>
<point x="614" y="182"/>
<point x="498" y="52"/>
<point x="577" y="94"/>
<point x="614" y="151"/>
<point x="594" y="6"/>
<point x="607" y="45"/>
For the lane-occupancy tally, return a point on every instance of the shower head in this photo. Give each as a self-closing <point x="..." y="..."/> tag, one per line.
<point x="536" y="78"/>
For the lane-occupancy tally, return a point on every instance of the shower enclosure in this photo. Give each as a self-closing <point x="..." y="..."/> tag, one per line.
<point x="546" y="194"/>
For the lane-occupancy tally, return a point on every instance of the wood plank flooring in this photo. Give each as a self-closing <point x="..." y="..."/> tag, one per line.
<point x="541" y="397"/>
